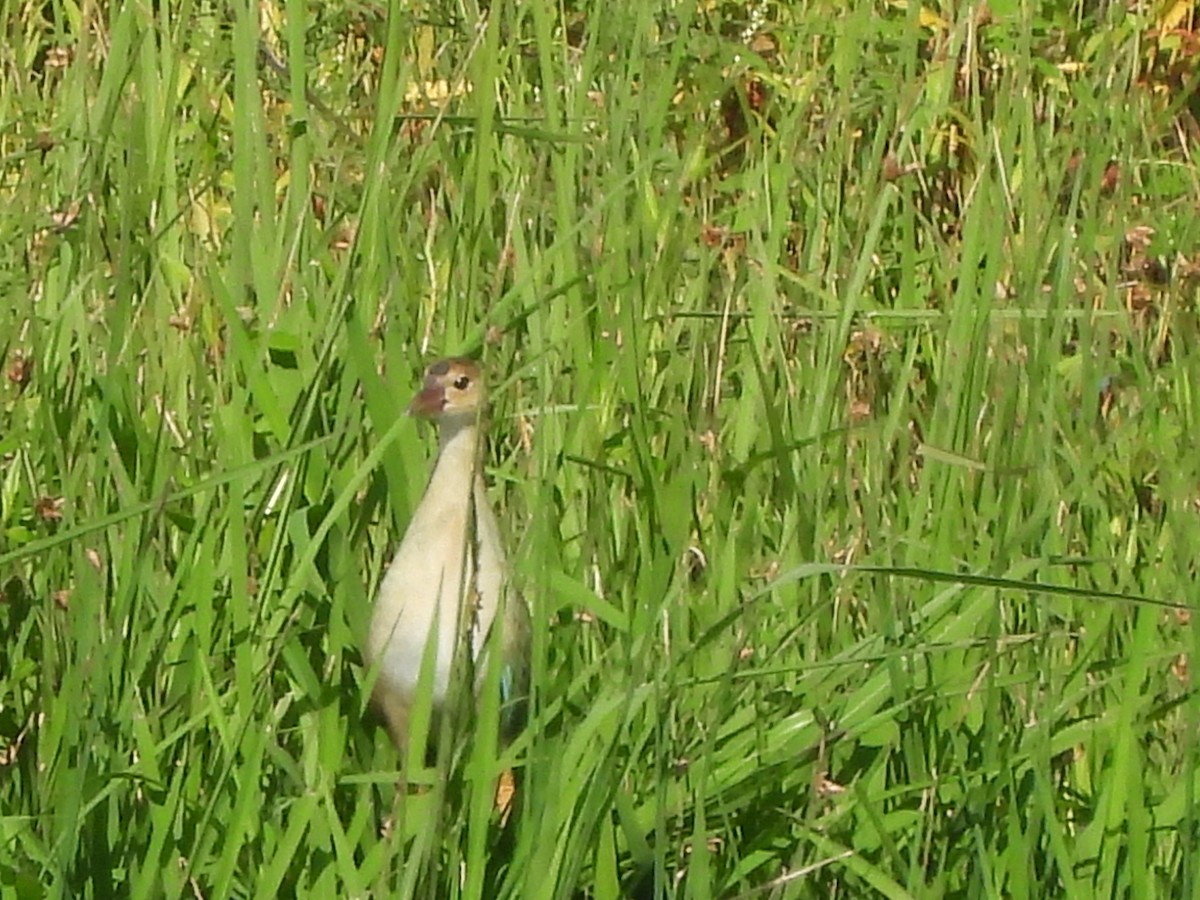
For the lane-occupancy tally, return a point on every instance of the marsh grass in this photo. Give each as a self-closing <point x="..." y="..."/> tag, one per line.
<point x="844" y="362"/>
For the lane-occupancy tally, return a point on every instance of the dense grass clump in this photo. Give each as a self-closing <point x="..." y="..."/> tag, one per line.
<point x="845" y="361"/>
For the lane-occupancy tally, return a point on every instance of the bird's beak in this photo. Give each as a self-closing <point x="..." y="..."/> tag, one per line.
<point x="429" y="402"/>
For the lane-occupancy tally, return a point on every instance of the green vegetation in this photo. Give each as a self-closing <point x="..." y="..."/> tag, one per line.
<point x="845" y="360"/>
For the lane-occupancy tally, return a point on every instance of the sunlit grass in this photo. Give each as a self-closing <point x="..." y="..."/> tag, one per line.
<point x="844" y="371"/>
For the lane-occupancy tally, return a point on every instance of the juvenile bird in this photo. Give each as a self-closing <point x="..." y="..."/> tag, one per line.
<point x="450" y="565"/>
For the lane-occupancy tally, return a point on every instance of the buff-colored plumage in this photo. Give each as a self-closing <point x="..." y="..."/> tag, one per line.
<point x="450" y="564"/>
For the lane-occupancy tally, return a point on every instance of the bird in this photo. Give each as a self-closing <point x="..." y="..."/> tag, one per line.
<point x="450" y="564"/>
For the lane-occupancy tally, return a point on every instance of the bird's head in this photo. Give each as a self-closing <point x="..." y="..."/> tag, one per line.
<point x="453" y="390"/>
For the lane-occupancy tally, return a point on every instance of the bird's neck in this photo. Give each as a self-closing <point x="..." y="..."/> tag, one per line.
<point x="458" y="462"/>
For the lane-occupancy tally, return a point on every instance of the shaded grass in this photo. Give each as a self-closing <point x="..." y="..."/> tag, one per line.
<point x="855" y="503"/>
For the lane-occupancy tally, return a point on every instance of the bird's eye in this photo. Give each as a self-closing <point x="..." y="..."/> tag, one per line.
<point x="461" y="383"/>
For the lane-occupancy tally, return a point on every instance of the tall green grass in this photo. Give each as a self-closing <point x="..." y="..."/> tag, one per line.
<point x="844" y="369"/>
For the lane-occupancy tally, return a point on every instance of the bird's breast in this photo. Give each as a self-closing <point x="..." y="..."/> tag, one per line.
<point x="449" y="565"/>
